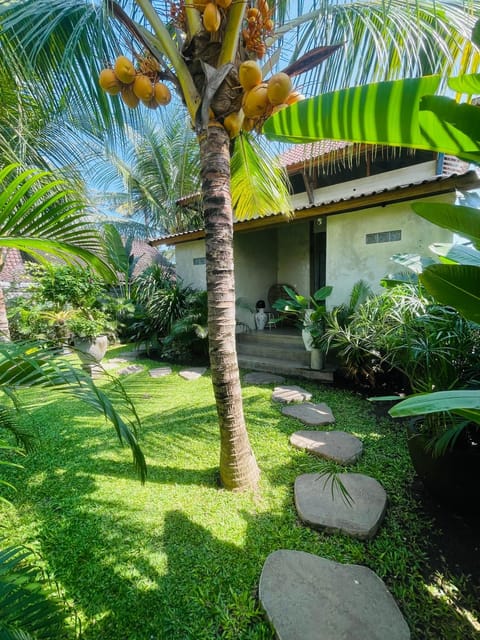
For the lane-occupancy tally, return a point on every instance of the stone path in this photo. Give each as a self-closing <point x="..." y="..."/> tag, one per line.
<point x="321" y="508"/>
<point x="159" y="372"/>
<point x="309" y="413"/>
<point x="339" y="446"/>
<point x="192" y="373"/>
<point x="260" y="377"/>
<point x="132" y="368"/>
<point x="307" y="597"/>
<point x="288" y="394"/>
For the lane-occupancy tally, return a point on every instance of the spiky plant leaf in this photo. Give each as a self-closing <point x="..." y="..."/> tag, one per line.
<point x="259" y="184"/>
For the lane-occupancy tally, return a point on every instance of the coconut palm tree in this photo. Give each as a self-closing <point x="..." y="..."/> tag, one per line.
<point x="197" y="49"/>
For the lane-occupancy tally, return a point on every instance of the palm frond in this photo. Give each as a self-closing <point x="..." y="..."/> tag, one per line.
<point x="259" y="184"/>
<point x="30" y="608"/>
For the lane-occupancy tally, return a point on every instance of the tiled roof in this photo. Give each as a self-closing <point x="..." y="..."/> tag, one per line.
<point x="469" y="179"/>
<point x="301" y="153"/>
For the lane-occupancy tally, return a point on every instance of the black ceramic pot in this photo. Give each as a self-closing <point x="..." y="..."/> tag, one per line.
<point x="452" y="478"/>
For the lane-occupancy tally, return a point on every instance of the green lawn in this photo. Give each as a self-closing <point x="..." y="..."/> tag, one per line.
<point x="180" y="558"/>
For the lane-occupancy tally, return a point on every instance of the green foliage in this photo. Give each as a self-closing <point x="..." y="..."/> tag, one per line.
<point x="310" y="311"/>
<point x="65" y="286"/>
<point x="188" y="337"/>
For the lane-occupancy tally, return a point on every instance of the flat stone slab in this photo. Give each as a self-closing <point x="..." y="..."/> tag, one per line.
<point x="290" y="394"/>
<point x="159" y="372"/>
<point x="263" y="377"/>
<point x="333" y="445"/>
<point x="309" y="413"/>
<point x="192" y="373"/>
<point x="132" y="368"/>
<point x="306" y="597"/>
<point x="358" y="516"/>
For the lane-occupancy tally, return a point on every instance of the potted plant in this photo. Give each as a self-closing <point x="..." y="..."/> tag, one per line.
<point x="89" y="331"/>
<point x="310" y="313"/>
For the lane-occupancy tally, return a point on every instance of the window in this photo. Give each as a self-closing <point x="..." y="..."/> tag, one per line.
<point x="383" y="236"/>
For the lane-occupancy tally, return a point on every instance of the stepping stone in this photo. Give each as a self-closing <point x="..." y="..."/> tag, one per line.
<point x="192" y="373"/>
<point x="358" y="516"/>
<point x="261" y="377"/>
<point x="290" y="394"/>
<point x="307" y="597"/>
<point x="160" y="372"/>
<point x="333" y="445"/>
<point x="309" y="413"/>
<point x="132" y="368"/>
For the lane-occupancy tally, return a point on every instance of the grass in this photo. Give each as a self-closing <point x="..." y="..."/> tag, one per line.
<point x="180" y="558"/>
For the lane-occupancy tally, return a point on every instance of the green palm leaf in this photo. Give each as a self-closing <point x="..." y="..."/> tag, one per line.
<point x="259" y="184"/>
<point x="27" y="364"/>
<point x="30" y="609"/>
<point x="39" y="215"/>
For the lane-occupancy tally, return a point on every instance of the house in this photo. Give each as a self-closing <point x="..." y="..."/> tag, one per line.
<point x="351" y="214"/>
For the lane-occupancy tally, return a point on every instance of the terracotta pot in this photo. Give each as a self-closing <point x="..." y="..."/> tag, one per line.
<point x="91" y="351"/>
<point x="453" y="477"/>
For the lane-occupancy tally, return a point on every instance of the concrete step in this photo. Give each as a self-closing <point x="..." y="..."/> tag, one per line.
<point x="273" y="337"/>
<point x="288" y="353"/>
<point x="283" y="367"/>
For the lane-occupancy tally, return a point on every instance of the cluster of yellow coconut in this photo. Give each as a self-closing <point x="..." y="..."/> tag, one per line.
<point x="134" y="86"/>
<point x="259" y="24"/>
<point x="260" y="99"/>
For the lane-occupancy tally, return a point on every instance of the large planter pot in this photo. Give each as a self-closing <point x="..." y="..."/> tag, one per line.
<point x="452" y="478"/>
<point x="91" y="351"/>
<point x="316" y="359"/>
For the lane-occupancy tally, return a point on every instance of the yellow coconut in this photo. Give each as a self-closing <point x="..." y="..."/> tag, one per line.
<point x="162" y="93"/>
<point x="255" y="101"/>
<point x="233" y="123"/>
<point x="279" y="86"/>
<point x="109" y="82"/>
<point x="211" y="18"/>
<point x="224" y="4"/>
<point x="268" y="24"/>
<point x="129" y="98"/>
<point x="143" y="88"/>
<point x="124" y="70"/>
<point x="253" y="13"/>
<point x="294" y="96"/>
<point x="249" y="74"/>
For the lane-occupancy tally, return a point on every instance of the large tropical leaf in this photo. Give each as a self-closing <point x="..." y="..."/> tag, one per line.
<point x="456" y="253"/>
<point x="455" y="400"/>
<point x="398" y="113"/>
<point x="455" y="285"/>
<point x="462" y="220"/>
<point x="259" y="184"/>
<point x="469" y="83"/>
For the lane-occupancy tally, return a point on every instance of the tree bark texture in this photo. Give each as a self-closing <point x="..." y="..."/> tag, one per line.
<point x="238" y="467"/>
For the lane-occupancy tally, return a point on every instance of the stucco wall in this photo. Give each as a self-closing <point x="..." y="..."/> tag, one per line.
<point x="294" y="256"/>
<point x="191" y="274"/>
<point x="255" y="268"/>
<point x="349" y="258"/>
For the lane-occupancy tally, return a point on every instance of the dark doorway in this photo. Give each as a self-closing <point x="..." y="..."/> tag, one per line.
<point x="318" y="254"/>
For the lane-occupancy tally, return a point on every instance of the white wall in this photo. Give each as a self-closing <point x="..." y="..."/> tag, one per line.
<point x="255" y="254"/>
<point x="294" y="256"/>
<point x="349" y="258"/>
<point x="191" y="274"/>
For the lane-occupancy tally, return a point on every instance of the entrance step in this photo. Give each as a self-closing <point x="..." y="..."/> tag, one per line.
<point x="306" y="597"/>
<point x="279" y="351"/>
<point x="322" y="505"/>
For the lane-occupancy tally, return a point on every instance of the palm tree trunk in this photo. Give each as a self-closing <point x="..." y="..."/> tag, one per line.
<point x="4" y="328"/>
<point x="238" y="467"/>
